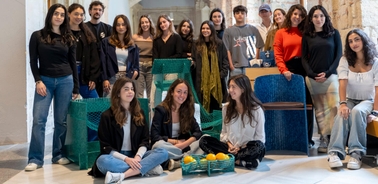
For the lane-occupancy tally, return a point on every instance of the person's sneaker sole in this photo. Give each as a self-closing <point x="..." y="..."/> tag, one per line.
<point x="322" y="150"/>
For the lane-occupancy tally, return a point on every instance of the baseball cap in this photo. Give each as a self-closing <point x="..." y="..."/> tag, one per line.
<point x="264" y="7"/>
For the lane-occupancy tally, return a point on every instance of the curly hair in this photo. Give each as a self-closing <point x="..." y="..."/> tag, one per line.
<point x="212" y="40"/>
<point x="87" y="32"/>
<point x="189" y="37"/>
<point x="65" y="31"/>
<point x="328" y="28"/>
<point x="119" y="111"/>
<point x="223" y="24"/>
<point x="248" y="100"/>
<point x="152" y="26"/>
<point x="287" y="23"/>
<point x="159" y="32"/>
<point x="186" y="109"/>
<point x="114" y="40"/>
<point x="368" y="47"/>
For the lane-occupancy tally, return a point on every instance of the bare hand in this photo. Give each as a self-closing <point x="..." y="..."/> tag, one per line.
<point x="74" y="96"/>
<point x="135" y="75"/>
<point x="41" y="88"/>
<point x="106" y="86"/>
<point x="233" y="150"/>
<point x="232" y="68"/>
<point x="133" y="163"/>
<point x="321" y="77"/>
<point x="92" y="85"/>
<point x="180" y="145"/>
<point x="344" y="111"/>
<point x="287" y="75"/>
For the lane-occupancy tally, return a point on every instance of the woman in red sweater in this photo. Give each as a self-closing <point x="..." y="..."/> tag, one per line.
<point x="288" y="52"/>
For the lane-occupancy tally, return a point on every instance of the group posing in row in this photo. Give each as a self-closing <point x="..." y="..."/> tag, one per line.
<point x="69" y="57"/>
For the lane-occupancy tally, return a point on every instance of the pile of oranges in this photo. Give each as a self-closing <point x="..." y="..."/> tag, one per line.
<point x="209" y="157"/>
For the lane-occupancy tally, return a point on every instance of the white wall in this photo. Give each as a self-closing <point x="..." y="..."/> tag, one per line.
<point x="13" y="77"/>
<point x="116" y="7"/>
<point x="147" y="4"/>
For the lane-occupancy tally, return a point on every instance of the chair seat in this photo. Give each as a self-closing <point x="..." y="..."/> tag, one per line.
<point x="286" y="106"/>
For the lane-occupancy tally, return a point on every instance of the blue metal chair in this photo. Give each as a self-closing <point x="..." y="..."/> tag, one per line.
<point x="285" y="112"/>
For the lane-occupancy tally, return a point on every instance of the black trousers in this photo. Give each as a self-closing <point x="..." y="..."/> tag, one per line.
<point x="254" y="149"/>
<point x="295" y="66"/>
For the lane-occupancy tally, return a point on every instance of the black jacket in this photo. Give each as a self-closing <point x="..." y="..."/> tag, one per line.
<point x="223" y="65"/>
<point x="163" y="131"/>
<point x="110" y="136"/>
<point x="90" y="66"/>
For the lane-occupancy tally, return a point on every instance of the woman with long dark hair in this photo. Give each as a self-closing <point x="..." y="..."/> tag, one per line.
<point x="52" y="53"/>
<point x="174" y="127"/>
<point x="120" y="56"/>
<point x="321" y="53"/>
<point x="87" y="60"/>
<point x="217" y="17"/>
<point x="243" y="133"/>
<point x="211" y="63"/>
<point x="124" y="140"/>
<point x="358" y="89"/>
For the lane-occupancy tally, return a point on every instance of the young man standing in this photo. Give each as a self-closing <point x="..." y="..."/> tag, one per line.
<point x="243" y="42"/>
<point x="265" y="13"/>
<point x="100" y="30"/>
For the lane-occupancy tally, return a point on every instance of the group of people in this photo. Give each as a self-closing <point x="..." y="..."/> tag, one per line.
<point x="342" y="88"/>
<point x="69" y="57"/>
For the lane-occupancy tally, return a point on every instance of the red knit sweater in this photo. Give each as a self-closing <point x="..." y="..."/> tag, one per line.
<point x="287" y="45"/>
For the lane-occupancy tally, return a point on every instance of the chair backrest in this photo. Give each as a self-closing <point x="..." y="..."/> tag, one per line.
<point x="276" y="88"/>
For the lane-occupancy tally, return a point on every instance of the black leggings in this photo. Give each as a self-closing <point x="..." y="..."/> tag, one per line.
<point x="254" y="149"/>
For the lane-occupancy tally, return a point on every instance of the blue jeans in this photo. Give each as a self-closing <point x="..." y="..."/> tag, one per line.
<point x="151" y="159"/>
<point x="61" y="90"/>
<point x="84" y="88"/>
<point x="237" y="71"/>
<point x="355" y="125"/>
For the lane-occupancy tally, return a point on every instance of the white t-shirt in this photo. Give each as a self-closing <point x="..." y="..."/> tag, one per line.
<point x="239" y="135"/>
<point x="361" y="86"/>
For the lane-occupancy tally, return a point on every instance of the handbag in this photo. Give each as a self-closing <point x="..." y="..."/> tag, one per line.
<point x="267" y="58"/>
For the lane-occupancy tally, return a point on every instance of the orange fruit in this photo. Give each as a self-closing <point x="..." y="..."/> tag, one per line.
<point x="221" y="156"/>
<point x="211" y="156"/>
<point x="189" y="159"/>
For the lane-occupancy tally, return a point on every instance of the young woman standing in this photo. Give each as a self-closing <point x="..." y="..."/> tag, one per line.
<point x="120" y="56"/>
<point x="52" y="53"/>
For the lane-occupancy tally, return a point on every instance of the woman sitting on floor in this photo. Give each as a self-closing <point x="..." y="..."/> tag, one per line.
<point x="124" y="140"/>
<point x="174" y="127"/>
<point x="243" y="132"/>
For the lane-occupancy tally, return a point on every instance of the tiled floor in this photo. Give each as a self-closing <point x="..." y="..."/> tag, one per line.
<point x="273" y="169"/>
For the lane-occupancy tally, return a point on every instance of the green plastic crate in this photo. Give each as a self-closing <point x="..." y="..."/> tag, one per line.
<point x="83" y="114"/>
<point x="208" y="167"/>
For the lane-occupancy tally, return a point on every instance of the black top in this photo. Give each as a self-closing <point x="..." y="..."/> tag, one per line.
<point x="321" y="54"/>
<point x="100" y="30"/>
<point x="163" y="131"/>
<point x="110" y="136"/>
<point x="220" y="33"/>
<point x="170" y="49"/>
<point x="52" y="60"/>
<point x="79" y="45"/>
<point x="185" y="47"/>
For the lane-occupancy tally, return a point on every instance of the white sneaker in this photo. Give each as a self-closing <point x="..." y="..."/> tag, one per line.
<point x="63" y="161"/>
<point x="173" y="164"/>
<point x="354" y="161"/>
<point x="156" y="170"/>
<point x="334" y="160"/>
<point x="114" y="177"/>
<point x="32" y="167"/>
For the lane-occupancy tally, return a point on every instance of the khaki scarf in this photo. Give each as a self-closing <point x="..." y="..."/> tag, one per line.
<point x="210" y="80"/>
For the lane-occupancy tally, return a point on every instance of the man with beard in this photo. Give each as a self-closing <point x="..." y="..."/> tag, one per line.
<point x="99" y="29"/>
